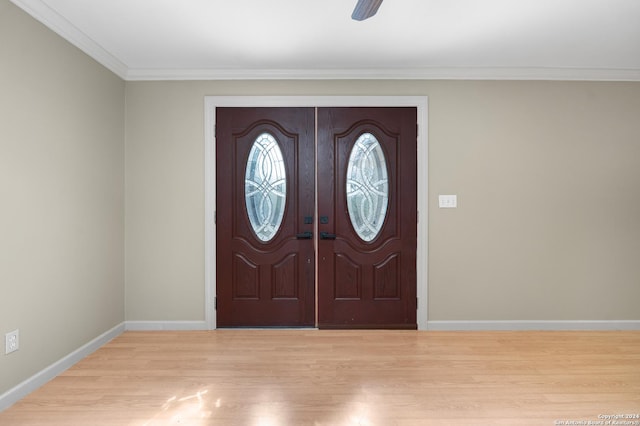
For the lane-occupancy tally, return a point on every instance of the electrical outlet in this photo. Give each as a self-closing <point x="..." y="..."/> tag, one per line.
<point x="11" y="342"/>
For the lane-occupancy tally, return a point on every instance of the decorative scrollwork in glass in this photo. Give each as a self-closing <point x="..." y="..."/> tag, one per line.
<point x="265" y="187"/>
<point x="367" y="187"/>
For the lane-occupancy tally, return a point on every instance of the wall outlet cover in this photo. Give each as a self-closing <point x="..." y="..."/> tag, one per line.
<point x="11" y="341"/>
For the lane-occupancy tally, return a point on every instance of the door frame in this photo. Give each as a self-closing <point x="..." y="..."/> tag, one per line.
<point x="213" y="102"/>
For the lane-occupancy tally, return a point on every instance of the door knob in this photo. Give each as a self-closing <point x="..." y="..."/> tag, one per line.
<point x="327" y="236"/>
<point x="307" y="235"/>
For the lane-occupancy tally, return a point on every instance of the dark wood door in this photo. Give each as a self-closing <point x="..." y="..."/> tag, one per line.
<point x="367" y="245"/>
<point x="265" y="198"/>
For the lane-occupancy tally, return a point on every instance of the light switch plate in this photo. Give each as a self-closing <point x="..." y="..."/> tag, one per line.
<point x="448" y="201"/>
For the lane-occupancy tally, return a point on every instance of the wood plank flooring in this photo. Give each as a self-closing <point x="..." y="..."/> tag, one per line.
<point x="312" y="377"/>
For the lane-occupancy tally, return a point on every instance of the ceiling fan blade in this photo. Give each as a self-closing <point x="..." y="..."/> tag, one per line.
<point x="365" y="9"/>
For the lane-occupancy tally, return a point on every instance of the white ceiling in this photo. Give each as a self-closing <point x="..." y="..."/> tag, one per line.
<point x="485" y="39"/>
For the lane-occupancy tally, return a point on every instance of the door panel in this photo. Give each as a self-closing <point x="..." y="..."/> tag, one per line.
<point x="265" y="279"/>
<point x="367" y="284"/>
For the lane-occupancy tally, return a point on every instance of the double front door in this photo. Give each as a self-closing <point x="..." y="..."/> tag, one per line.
<point x="316" y="217"/>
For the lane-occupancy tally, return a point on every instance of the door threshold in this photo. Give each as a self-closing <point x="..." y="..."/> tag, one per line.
<point x="268" y="327"/>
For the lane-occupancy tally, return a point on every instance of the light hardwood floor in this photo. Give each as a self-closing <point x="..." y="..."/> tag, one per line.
<point x="311" y="377"/>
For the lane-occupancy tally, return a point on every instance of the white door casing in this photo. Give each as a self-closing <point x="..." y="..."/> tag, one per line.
<point x="213" y="102"/>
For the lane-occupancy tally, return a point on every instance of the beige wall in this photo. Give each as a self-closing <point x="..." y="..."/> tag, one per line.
<point x="61" y="196"/>
<point x="547" y="175"/>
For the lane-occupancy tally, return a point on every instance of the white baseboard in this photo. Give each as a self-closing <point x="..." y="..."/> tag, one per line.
<point x="165" y="325"/>
<point x="21" y="390"/>
<point x="586" y="325"/>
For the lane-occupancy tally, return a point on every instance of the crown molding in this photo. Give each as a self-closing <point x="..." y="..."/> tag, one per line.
<point x="61" y="26"/>
<point x="435" y="73"/>
<point x="39" y="10"/>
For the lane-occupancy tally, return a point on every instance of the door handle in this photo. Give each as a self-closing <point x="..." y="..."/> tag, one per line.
<point x="327" y="236"/>
<point x="307" y="235"/>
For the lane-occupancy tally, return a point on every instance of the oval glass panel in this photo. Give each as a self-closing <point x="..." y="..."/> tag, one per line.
<point x="265" y="187"/>
<point x="367" y="187"/>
